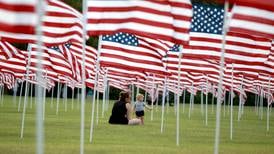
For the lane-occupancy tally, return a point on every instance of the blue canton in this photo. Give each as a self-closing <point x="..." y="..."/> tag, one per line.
<point x="68" y="45"/>
<point x="175" y="48"/>
<point x="55" y="48"/>
<point x="207" y="19"/>
<point x="123" y="38"/>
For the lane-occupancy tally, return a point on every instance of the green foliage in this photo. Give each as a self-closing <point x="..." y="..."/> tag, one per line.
<point x="76" y="4"/>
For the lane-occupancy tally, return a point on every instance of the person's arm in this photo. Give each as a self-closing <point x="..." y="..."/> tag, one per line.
<point x="148" y="107"/>
<point x="129" y="108"/>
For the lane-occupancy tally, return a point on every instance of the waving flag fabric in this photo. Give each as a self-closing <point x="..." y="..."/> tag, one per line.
<point x="166" y="20"/>
<point x="266" y="4"/>
<point x="15" y="64"/>
<point x="8" y="79"/>
<point x="123" y="50"/>
<point x="61" y="23"/>
<point x="206" y="39"/>
<point x="253" y="21"/>
<point x="17" y="17"/>
<point x="8" y="50"/>
<point x="91" y="56"/>
<point x="53" y="62"/>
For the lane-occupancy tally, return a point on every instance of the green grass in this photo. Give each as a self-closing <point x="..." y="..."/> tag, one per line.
<point x="62" y="132"/>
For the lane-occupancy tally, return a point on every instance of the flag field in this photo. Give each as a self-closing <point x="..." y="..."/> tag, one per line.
<point x="62" y="132"/>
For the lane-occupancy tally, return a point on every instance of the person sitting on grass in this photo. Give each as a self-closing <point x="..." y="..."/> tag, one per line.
<point x="122" y="110"/>
<point x="139" y="107"/>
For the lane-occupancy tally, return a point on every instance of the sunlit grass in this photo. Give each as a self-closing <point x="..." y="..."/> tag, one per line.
<point x="62" y="132"/>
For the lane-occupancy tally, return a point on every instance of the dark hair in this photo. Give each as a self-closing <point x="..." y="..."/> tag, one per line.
<point x="123" y="96"/>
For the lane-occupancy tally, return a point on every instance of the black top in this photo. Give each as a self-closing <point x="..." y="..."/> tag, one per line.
<point x="119" y="113"/>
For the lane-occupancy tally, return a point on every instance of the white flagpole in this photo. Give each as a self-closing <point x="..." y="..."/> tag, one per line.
<point x="44" y="102"/>
<point x="39" y="107"/>
<point x="62" y="93"/>
<point x="31" y="98"/>
<point x="212" y="103"/>
<point x="132" y="93"/>
<point x="65" y="91"/>
<point x="163" y="105"/>
<point x="2" y="97"/>
<point x="44" y="97"/>
<point x="231" y="103"/>
<point x="242" y="109"/>
<point x="97" y="107"/>
<point x="26" y="94"/>
<point x="138" y="90"/>
<point x="258" y="101"/>
<point x="152" y="96"/>
<point x="2" y="94"/>
<point x="21" y="89"/>
<point x="218" y="112"/>
<point x="83" y="94"/>
<point x="15" y="88"/>
<point x="175" y="102"/>
<point x="95" y="88"/>
<point x="261" y="104"/>
<point x="104" y="94"/>
<point x="78" y="97"/>
<point x="240" y="101"/>
<point x="228" y="102"/>
<point x="167" y="102"/>
<point x="107" y="105"/>
<point x="157" y="99"/>
<point x="145" y="100"/>
<point x="184" y="101"/>
<point x="51" y="102"/>
<point x="256" y="104"/>
<point x="202" y="102"/>
<point x="268" y="105"/>
<point x="72" y="99"/>
<point x="58" y="98"/>
<point x="178" y="99"/>
<point x="190" y="105"/>
<point x="206" y="110"/>
<point x="224" y="103"/>
<point x="192" y="102"/>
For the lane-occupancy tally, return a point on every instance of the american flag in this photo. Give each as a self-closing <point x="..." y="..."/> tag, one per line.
<point x="71" y="59"/>
<point x="54" y="63"/>
<point x="72" y="52"/>
<point x="191" y="70"/>
<point x="148" y="18"/>
<point x="206" y="37"/>
<point x="8" y="50"/>
<point x="15" y="64"/>
<point x="246" y="51"/>
<point x="266" y="4"/>
<point x="91" y="56"/>
<point x="127" y="51"/>
<point x="206" y="33"/>
<point x="270" y="60"/>
<point x="252" y="20"/>
<point x="61" y="23"/>
<point x="17" y="17"/>
<point x="8" y="79"/>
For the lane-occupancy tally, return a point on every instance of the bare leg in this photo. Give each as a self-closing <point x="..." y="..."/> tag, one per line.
<point x="142" y="120"/>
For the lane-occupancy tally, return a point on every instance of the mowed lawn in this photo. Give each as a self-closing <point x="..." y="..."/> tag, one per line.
<point x="62" y="132"/>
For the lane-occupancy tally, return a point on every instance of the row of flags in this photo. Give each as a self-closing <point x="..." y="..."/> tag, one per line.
<point x="141" y="44"/>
